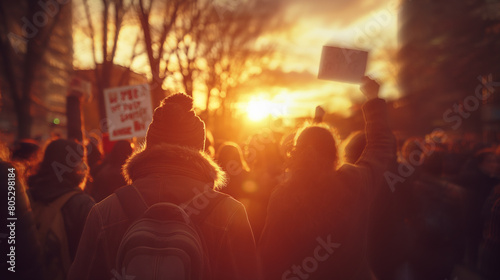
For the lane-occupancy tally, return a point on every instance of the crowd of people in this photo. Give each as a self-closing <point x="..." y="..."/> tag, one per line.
<point x="304" y="206"/>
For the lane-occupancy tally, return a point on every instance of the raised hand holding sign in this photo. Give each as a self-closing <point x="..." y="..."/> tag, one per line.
<point x="342" y="64"/>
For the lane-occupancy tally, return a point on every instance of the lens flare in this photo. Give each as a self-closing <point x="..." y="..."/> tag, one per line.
<point x="259" y="109"/>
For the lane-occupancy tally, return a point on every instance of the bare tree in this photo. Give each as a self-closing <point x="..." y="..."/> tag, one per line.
<point x="218" y="46"/>
<point x="158" y="19"/>
<point x="192" y="40"/>
<point x="233" y="54"/>
<point x="103" y="24"/>
<point x="192" y="43"/>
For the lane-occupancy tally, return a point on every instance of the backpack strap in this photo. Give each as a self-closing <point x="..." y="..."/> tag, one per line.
<point x="49" y="218"/>
<point x="203" y="213"/>
<point x="131" y="201"/>
<point x="45" y="215"/>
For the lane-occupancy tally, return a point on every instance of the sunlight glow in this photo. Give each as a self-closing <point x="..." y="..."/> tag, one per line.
<point x="259" y="109"/>
<point x="285" y="80"/>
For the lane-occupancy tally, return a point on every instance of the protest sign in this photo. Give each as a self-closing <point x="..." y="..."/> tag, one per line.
<point x="128" y="110"/>
<point x="342" y="64"/>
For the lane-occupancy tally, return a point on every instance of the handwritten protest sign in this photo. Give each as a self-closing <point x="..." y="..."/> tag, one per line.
<point x="342" y="64"/>
<point x="129" y="111"/>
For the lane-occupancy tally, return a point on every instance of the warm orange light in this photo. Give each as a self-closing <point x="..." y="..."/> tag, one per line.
<point x="259" y="109"/>
<point x="256" y="110"/>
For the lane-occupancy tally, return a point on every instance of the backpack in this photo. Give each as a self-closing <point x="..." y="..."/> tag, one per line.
<point x="52" y="236"/>
<point x="163" y="241"/>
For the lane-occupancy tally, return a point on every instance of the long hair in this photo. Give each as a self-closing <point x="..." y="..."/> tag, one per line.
<point x="230" y="156"/>
<point x="64" y="163"/>
<point x="315" y="151"/>
<point x="312" y="164"/>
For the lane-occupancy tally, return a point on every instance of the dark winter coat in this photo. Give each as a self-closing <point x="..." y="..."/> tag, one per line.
<point x="489" y="250"/>
<point x="107" y="179"/>
<point x="108" y="175"/>
<point x="316" y="229"/>
<point x="478" y="186"/>
<point x="434" y="212"/>
<point x="170" y="173"/>
<point x="46" y="189"/>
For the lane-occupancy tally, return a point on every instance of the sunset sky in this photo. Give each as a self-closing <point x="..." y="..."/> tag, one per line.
<point x="291" y="81"/>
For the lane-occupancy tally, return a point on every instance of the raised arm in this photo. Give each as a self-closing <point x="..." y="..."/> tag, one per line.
<point x="380" y="147"/>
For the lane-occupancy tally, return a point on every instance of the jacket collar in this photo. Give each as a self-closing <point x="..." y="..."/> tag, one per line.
<point x="167" y="159"/>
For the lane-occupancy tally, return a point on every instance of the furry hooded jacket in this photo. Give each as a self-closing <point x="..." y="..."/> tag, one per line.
<point x="176" y="174"/>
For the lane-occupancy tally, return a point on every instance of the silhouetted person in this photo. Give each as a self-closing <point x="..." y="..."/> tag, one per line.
<point x="266" y="172"/>
<point x="230" y="158"/>
<point x="26" y="153"/>
<point x="317" y="220"/>
<point x="478" y="176"/>
<point x="171" y="168"/>
<point x="242" y="186"/>
<point x="489" y="250"/>
<point x="25" y="150"/>
<point x="55" y="191"/>
<point x="108" y="175"/>
<point x="94" y="155"/>
<point x="386" y="232"/>
<point x="27" y="261"/>
<point x="354" y="146"/>
<point x="434" y="212"/>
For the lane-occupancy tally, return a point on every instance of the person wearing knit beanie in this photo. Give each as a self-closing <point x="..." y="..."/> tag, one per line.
<point x="175" y="122"/>
<point x="172" y="167"/>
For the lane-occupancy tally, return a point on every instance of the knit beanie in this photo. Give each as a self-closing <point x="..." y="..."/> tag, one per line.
<point x="175" y="122"/>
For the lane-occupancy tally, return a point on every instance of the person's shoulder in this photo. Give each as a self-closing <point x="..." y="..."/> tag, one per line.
<point x="108" y="201"/>
<point x="281" y="192"/>
<point x="226" y="209"/>
<point x="80" y="199"/>
<point x="347" y="167"/>
<point x="109" y="204"/>
<point x="110" y="211"/>
<point x="83" y="197"/>
<point x="347" y="170"/>
<point x="226" y="201"/>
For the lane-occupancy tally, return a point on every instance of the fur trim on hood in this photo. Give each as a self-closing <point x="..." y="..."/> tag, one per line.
<point x="171" y="159"/>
